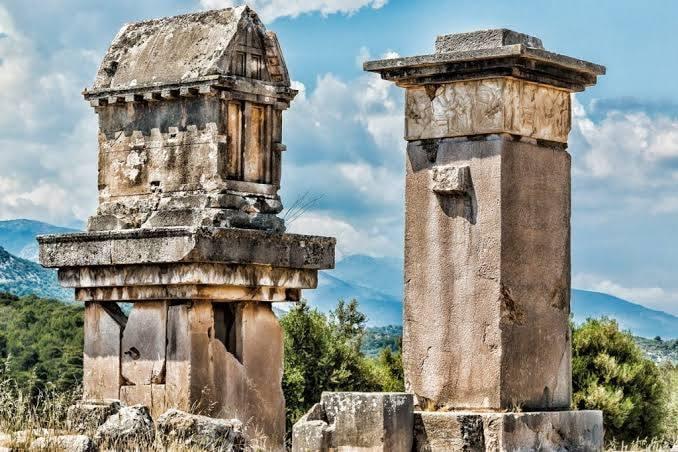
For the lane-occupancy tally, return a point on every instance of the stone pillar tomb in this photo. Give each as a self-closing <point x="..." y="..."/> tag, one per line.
<point x="487" y="242"/>
<point x="187" y="227"/>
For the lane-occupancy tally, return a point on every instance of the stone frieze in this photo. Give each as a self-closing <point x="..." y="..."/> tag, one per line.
<point x="498" y="105"/>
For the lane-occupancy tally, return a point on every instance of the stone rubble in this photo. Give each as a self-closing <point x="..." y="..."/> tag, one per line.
<point x="130" y="425"/>
<point x="194" y="431"/>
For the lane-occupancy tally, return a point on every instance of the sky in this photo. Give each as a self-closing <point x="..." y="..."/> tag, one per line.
<point x="344" y="130"/>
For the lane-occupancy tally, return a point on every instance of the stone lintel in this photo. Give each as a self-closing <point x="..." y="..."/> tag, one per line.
<point x="187" y="292"/>
<point x="238" y="275"/>
<point x="171" y="245"/>
<point x="515" y="60"/>
<point x="545" y="430"/>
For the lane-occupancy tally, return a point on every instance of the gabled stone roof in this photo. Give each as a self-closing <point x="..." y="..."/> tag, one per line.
<point x="183" y="48"/>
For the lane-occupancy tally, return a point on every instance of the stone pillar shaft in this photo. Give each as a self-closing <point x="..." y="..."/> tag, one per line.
<point x="487" y="221"/>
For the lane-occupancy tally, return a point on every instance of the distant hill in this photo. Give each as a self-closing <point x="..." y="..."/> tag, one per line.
<point x="377" y="284"/>
<point x="18" y="236"/>
<point x="23" y="277"/>
<point x="641" y="321"/>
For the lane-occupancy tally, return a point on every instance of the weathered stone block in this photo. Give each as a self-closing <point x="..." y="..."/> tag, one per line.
<point x="130" y="426"/>
<point x="352" y="421"/>
<point x="143" y="344"/>
<point x="104" y="324"/>
<point x="496" y="263"/>
<point x="87" y="415"/>
<point x="180" y="429"/>
<point x="71" y="443"/>
<point x="547" y="431"/>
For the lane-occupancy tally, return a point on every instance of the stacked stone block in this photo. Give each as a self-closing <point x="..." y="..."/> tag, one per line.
<point x="190" y="151"/>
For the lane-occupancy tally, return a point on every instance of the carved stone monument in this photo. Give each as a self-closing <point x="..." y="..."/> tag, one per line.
<point x="190" y="129"/>
<point x="487" y="243"/>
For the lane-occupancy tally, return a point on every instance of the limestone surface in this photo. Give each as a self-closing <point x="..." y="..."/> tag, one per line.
<point x="353" y="421"/>
<point x="178" y="428"/>
<point x="580" y="431"/>
<point x="130" y="425"/>
<point x="87" y="415"/>
<point x="71" y="443"/>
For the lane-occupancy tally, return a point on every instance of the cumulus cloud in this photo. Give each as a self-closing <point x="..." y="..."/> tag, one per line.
<point x="653" y="297"/>
<point x="345" y="141"/>
<point x="350" y="239"/>
<point x="47" y="136"/>
<point x="269" y="10"/>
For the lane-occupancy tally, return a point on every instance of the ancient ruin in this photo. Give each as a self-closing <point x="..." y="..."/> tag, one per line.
<point x="486" y="342"/>
<point x="187" y="228"/>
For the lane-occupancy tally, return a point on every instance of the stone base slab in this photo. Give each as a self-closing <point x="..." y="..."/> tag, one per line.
<point x="186" y="245"/>
<point x="474" y="431"/>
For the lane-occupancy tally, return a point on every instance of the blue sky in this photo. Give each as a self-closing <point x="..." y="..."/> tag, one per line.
<point x="344" y="130"/>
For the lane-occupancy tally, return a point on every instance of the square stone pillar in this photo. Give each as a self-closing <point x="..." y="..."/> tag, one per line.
<point x="487" y="221"/>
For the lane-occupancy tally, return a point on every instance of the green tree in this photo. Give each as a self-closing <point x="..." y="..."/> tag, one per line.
<point x="610" y="373"/>
<point x="324" y="354"/>
<point x="389" y="367"/>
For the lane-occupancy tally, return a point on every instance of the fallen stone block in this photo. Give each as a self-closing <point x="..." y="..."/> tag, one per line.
<point x="357" y="421"/>
<point x="129" y="426"/>
<point x="180" y="429"/>
<point x="87" y="415"/>
<point x="70" y="443"/>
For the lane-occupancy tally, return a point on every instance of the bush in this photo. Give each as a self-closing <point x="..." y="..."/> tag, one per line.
<point x="324" y="354"/>
<point x="610" y="373"/>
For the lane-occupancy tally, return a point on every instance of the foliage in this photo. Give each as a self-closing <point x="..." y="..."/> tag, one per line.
<point x="324" y="354"/>
<point x="380" y="337"/>
<point x="40" y="344"/>
<point x="669" y="374"/>
<point x="610" y="373"/>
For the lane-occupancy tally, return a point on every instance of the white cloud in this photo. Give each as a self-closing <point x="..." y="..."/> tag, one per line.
<point x="652" y="297"/>
<point x="269" y="10"/>
<point x="350" y="240"/>
<point x="624" y="145"/>
<point x="47" y="134"/>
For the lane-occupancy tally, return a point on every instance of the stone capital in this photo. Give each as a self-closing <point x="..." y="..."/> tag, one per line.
<point x="488" y="82"/>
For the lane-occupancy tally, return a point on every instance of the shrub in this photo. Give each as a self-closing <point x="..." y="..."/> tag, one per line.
<point x="610" y="373"/>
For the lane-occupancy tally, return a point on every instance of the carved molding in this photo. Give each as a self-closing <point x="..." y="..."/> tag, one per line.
<point x="487" y="106"/>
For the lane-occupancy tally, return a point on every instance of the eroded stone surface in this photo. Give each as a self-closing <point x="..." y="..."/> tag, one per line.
<point x="488" y="106"/>
<point x="104" y="324"/>
<point x="178" y="428"/>
<point x="87" y="415"/>
<point x="170" y="245"/>
<point x="484" y="39"/>
<point x="485" y="272"/>
<point x="71" y="443"/>
<point x="547" y="431"/>
<point x="130" y="425"/>
<point x="353" y="421"/>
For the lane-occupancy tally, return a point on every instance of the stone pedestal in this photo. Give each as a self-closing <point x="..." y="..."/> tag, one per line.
<point x="542" y="430"/>
<point x="190" y="129"/>
<point x="487" y="226"/>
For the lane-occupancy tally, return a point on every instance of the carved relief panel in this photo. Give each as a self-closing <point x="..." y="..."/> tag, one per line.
<point x="487" y="106"/>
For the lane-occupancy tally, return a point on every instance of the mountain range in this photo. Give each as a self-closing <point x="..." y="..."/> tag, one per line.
<point x="376" y="282"/>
